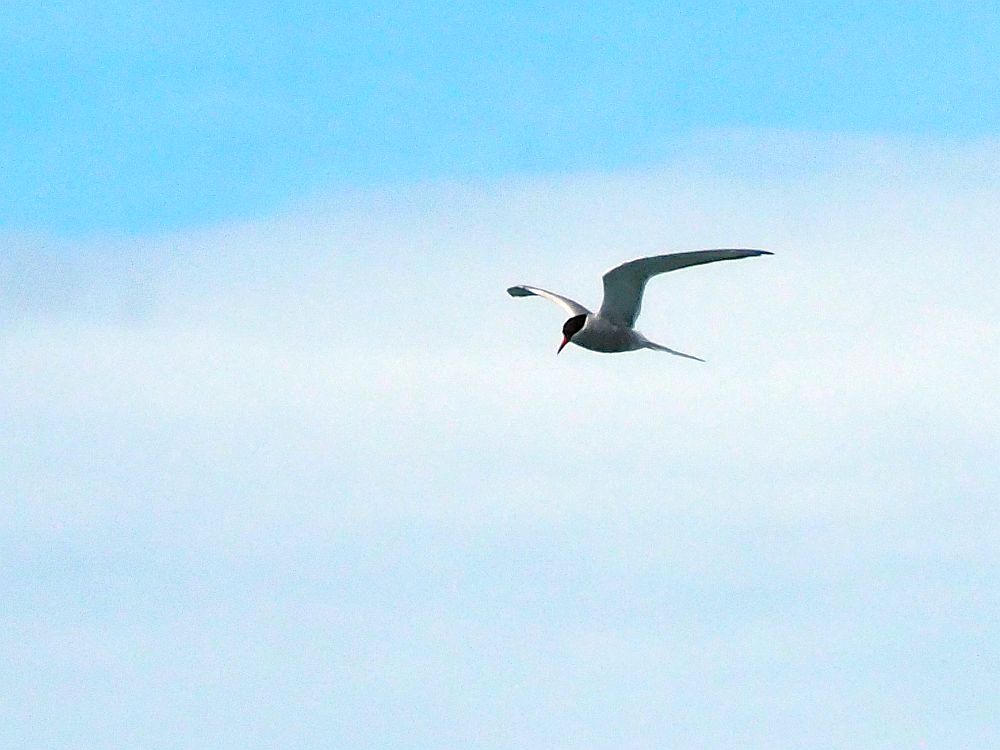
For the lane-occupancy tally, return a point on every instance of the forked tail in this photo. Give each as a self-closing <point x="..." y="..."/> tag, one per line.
<point x="659" y="348"/>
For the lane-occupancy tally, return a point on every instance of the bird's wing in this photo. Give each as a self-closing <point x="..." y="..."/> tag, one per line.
<point x="573" y="308"/>
<point x="624" y="284"/>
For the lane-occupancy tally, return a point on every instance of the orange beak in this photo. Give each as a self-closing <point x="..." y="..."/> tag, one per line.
<point x="565" y="341"/>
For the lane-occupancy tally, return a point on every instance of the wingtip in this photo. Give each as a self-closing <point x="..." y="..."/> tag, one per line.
<point x="518" y="291"/>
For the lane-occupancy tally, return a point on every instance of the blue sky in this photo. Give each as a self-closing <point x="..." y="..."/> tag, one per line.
<point x="283" y="466"/>
<point x="137" y="117"/>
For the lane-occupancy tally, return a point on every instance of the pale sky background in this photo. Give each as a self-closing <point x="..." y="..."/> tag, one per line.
<point x="282" y="465"/>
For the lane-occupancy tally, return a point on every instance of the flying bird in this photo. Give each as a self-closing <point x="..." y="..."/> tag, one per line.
<point x="610" y="328"/>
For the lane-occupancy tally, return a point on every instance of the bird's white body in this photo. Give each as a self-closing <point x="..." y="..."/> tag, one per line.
<point x="610" y="329"/>
<point x="601" y="335"/>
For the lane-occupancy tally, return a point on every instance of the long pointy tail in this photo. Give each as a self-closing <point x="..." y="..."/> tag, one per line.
<point x="659" y="348"/>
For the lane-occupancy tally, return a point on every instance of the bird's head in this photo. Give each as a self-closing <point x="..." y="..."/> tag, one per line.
<point x="570" y="328"/>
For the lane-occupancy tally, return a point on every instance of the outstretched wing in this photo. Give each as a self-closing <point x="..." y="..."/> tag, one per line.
<point x="624" y="284"/>
<point x="573" y="308"/>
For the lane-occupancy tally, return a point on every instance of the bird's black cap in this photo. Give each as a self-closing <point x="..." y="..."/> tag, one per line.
<point x="572" y="326"/>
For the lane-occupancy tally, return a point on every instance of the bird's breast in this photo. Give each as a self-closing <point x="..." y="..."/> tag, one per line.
<point x="601" y="335"/>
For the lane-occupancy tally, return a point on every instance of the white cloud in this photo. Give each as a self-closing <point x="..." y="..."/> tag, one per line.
<point x="381" y="320"/>
<point x="348" y="387"/>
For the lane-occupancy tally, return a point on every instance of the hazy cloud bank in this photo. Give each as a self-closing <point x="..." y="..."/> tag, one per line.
<point x="338" y="415"/>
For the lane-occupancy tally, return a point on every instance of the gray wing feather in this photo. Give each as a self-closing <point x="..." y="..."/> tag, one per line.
<point x="624" y="284"/>
<point x="573" y="308"/>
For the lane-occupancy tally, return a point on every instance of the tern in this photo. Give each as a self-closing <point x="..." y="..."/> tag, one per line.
<point x="610" y="329"/>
